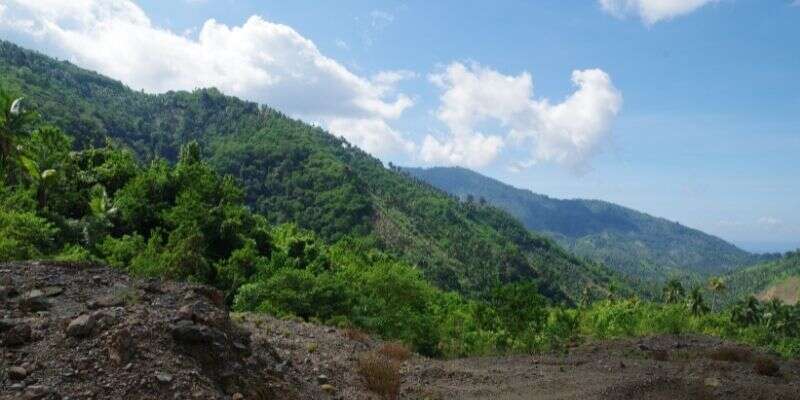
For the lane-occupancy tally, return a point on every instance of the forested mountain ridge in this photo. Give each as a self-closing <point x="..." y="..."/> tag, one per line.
<point x="632" y="242"/>
<point x="294" y="172"/>
<point x="759" y="279"/>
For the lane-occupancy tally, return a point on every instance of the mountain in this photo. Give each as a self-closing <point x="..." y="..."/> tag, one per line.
<point x="632" y="242"/>
<point x="772" y="279"/>
<point x="295" y="172"/>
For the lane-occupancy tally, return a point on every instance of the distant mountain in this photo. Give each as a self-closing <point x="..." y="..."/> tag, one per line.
<point x="295" y="172"/>
<point x="634" y="243"/>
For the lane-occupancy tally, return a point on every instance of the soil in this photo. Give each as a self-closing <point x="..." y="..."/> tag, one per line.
<point x="83" y="332"/>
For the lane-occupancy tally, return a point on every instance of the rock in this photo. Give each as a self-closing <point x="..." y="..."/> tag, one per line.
<point x="53" y="291"/>
<point x="81" y="326"/>
<point x="19" y="334"/>
<point x="105" y="301"/>
<point x="189" y="332"/>
<point x="237" y="396"/>
<point x="322" y="379"/>
<point x="203" y="313"/>
<point x="163" y="377"/>
<point x="36" y="392"/>
<point x="34" y="301"/>
<point x="17" y="373"/>
<point x="121" y="347"/>
<point x="6" y="324"/>
<point x="712" y="382"/>
<point x="329" y="389"/>
<point x="7" y="292"/>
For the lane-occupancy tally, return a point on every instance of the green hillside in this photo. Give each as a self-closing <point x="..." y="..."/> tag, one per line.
<point x="775" y="275"/>
<point x="634" y="243"/>
<point x="294" y="172"/>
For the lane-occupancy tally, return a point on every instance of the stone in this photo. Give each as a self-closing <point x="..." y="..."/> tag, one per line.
<point x="237" y="396"/>
<point x="36" y="392"/>
<point x="327" y="388"/>
<point x="322" y="379"/>
<point x="189" y="332"/>
<point x="163" y="377"/>
<point x="17" y="373"/>
<point x="121" y="348"/>
<point x="53" y="291"/>
<point x="712" y="382"/>
<point x="34" y="301"/>
<point x="81" y="326"/>
<point x="19" y="334"/>
<point x="105" y="301"/>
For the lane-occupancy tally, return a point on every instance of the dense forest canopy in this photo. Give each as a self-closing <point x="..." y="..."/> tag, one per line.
<point x="634" y="243"/>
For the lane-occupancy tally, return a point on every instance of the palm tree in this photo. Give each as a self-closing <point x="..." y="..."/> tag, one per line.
<point x="673" y="292"/>
<point x="747" y="312"/>
<point x="716" y="285"/>
<point x="696" y="302"/>
<point x="14" y="118"/>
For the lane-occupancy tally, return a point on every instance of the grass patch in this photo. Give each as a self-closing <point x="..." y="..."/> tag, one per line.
<point x="381" y="374"/>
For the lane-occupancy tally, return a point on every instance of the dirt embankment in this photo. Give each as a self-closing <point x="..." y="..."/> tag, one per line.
<point x="94" y="333"/>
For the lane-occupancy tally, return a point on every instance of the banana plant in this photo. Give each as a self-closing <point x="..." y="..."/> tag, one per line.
<point x="97" y="223"/>
<point x="43" y="180"/>
<point x="14" y="119"/>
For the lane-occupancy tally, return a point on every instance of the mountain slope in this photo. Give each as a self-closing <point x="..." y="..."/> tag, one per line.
<point x="777" y="278"/>
<point x="632" y="242"/>
<point x="294" y="172"/>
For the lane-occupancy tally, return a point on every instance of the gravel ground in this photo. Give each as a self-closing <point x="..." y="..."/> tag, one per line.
<point x="82" y="332"/>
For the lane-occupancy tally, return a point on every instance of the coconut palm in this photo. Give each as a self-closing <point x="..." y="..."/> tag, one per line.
<point x="747" y="312"/>
<point x="717" y="286"/>
<point x="696" y="302"/>
<point x="673" y="292"/>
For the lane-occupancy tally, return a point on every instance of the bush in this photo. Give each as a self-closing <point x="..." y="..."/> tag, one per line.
<point x="381" y="374"/>
<point x="395" y="351"/>
<point x="119" y="253"/>
<point x="25" y="236"/>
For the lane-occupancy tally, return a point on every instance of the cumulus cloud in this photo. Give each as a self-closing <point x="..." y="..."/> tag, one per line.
<point x="566" y="133"/>
<point x="652" y="11"/>
<point x="260" y="60"/>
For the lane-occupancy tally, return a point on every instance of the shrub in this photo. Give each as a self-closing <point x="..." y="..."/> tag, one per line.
<point x="119" y="252"/>
<point x="395" y="351"/>
<point x="381" y="374"/>
<point x="24" y="235"/>
<point x="356" y="334"/>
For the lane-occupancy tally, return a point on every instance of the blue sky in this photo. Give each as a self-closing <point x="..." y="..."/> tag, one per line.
<point x="685" y="109"/>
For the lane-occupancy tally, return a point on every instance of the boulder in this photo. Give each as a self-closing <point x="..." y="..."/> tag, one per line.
<point x="18" y="334"/>
<point x="17" y="373"/>
<point x="81" y="326"/>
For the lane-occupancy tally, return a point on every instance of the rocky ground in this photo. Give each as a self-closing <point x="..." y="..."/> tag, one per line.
<point x="93" y="333"/>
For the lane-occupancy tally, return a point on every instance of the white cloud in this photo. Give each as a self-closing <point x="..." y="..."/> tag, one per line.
<point x="372" y="134"/>
<point x="770" y="222"/>
<point x="567" y="133"/>
<point x="259" y="60"/>
<point x="652" y="11"/>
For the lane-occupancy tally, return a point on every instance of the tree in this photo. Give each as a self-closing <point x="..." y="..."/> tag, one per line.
<point x="696" y="302"/>
<point x="717" y="286"/>
<point x="673" y="292"/>
<point x="14" y="119"/>
<point x="747" y="312"/>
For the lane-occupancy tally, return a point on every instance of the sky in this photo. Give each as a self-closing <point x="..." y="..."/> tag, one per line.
<point x="684" y="109"/>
